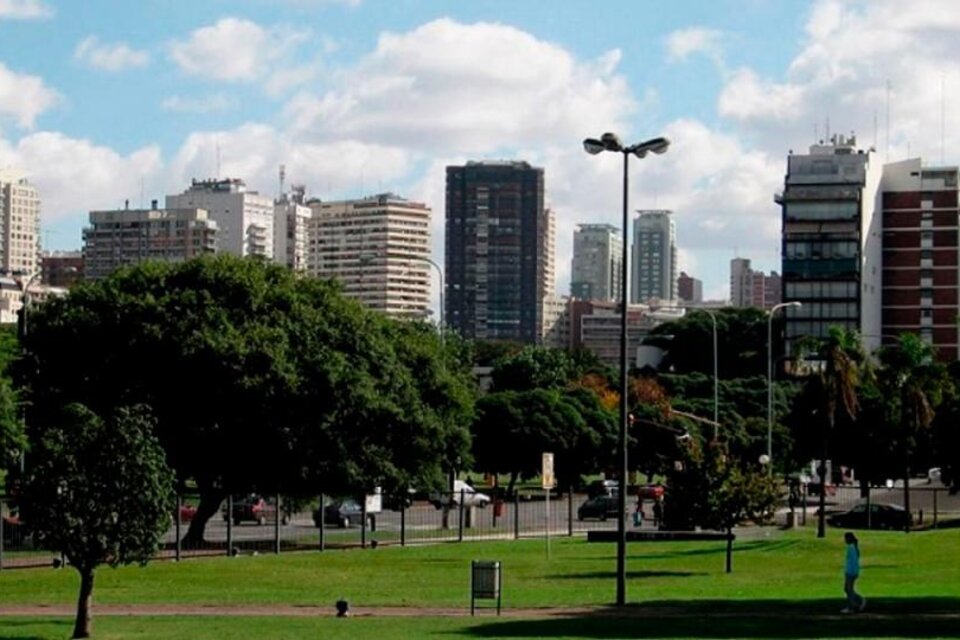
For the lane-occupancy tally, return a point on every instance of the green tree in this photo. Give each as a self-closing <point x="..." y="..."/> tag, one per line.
<point x="741" y="344"/>
<point x="99" y="492"/>
<point x="837" y="361"/>
<point x="534" y="368"/>
<point x="913" y="385"/>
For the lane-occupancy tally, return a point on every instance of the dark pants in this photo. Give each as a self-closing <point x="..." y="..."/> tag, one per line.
<point x="854" y="599"/>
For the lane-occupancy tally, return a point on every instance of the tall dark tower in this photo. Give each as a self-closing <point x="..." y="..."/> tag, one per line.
<point x="499" y="251"/>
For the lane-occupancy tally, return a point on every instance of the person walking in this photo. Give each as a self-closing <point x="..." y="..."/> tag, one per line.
<point x="658" y="512"/>
<point x="638" y="513"/>
<point x="851" y="571"/>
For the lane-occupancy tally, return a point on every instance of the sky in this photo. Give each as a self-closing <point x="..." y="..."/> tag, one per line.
<point x="103" y="101"/>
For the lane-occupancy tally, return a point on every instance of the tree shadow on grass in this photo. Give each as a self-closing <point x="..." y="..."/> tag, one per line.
<point x="886" y="618"/>
<point x="631" y="575"/>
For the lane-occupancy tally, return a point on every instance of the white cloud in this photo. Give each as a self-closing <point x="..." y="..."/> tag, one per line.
<point x="235" y="50"/>
<point x="684" y="42"/>
<point x="201" y="104"/>
<point x="747" y="97"/>
<point x="428" y="89"/>
<point x="24" y="10"/>
<point x="105" y="56"/>
<point x="24" y="97"/>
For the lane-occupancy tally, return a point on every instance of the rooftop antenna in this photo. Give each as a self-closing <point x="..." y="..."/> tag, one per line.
<point x="875" y="142"/>
<point x="942" y="116"/>
<point x="827" y="129"/>
<point x="283" y="176"/>
<point x="886" y="147"/>
<point x="218" y="157"/>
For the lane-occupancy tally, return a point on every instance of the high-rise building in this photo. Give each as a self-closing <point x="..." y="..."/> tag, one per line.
<point x="291" y="217"/>
<point x="499" y="257"/>
<point x="130" y="236"/>
<point x="653" y="274"/>
<point x="689" y="289"/>
<point x="244" y="218"/>
<point x="920" y="249"/>
<point x="377" y="247"/>
<point x="19" y="224"/>
<point x="832" y="241"/>
<point x="749" y="288"/>
<point x="596" y="269"/>
<point x="596" y="326"/>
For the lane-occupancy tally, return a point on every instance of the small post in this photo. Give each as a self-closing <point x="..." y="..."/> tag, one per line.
<point x="547" y="528"/>
<point x="229" y="525"/>
<point x="276" y="525"/>
<point x="322" y="523"/>
<point x="935" y="492"/>
<point x="403" y="523"/>
<point x="1" y="535"/>
<point x="516" y="515"/>
<point x="460" y="528"/>
<point x="869" y="515"/>
<point x="803" y="512"/>
<point x="363" y="523"/>
<point x="176" y="527"/>
<point x="729" y="550"/>
<point x="570" y="512"/>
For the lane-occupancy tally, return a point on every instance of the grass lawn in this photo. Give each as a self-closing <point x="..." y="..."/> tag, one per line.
<point x="783" y="585"/>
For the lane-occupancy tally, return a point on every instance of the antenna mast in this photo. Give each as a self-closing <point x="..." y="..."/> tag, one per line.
<point x="283" y="176"/>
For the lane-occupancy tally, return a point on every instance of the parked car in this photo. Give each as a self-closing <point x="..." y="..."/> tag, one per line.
<point x="882" y="516"/>
<point x="603" y="488"/>
<point x="650" y="491"/>
<point x="187" y="512"/>
<point x="601" y="507"/>
<point x="15" y="533"/>
<point x="471" y="497"/>
<point x="254" y="508"/>
<point x="343" y="513"/>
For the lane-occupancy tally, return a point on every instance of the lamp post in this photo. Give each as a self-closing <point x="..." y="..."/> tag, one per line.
<point x="24" y="285"/>
<point x="611" y="142"/>
<point x="442" y="319"/>
<point x="773" y="311"/>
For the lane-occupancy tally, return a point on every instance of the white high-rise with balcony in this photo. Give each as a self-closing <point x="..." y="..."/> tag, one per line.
<point x="19" y="224"/>
<point x="244" y="218"/>
<point x="291" y="219"/>
<point x="597" y="262"/>
<point x="377" y="247"/>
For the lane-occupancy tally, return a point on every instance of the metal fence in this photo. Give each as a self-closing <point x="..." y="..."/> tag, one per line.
<point x="254" y="526"/>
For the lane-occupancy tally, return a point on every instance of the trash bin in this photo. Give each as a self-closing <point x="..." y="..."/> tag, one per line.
<point x="485" y="582"/>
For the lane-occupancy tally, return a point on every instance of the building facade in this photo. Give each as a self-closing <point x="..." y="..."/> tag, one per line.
<point x="19" y="224"/>
<point x="653" y="273"/>
<point x="920" y="251"/>
<point x="378" y="247"/>
<point x="689" y="289"/>
<point x="749" y="288"/>
<point x="124" y="237"/>
<point x="499" y="251"/>
<point x="61" y="268"/>
<point x="831" y="239"/>
<point x="291" y="219"/>
<point x="597" y="266"/>
<point x="595" y="327"/>
<point x="244" y="218"/>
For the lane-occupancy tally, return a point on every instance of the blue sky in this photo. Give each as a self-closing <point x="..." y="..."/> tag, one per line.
<point x="105" y="100"/>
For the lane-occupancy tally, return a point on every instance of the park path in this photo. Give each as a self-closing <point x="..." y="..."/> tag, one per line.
<point x="639" y="612"/>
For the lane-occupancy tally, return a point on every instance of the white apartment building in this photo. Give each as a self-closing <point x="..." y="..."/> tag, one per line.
<point x="653" y="273"/>
<point x="244" y="218"/>
<point x="378" y="247"/>
<point x="291" y="219"/>
<point x="19" y="224"/>
<point x="595" y="272"/>
<point x="124" y="237"/>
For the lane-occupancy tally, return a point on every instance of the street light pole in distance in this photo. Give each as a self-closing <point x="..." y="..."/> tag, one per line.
<point x="593" y="146"/>
<point x="773" y="310"/>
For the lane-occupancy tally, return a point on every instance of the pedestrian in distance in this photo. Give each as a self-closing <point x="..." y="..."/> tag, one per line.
<point x="851" y="571"/>
<point x="638" y="513"/>
<point x="658" y="513"/>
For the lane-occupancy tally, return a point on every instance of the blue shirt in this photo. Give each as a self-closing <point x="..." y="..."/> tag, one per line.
<point x="852" y="565"/>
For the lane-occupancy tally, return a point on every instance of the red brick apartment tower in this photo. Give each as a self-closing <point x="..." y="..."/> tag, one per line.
<point x="920" y="249"/>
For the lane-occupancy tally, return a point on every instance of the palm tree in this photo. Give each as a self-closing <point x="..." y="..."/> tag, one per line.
<point x="837" y="359"/>
<point x="914" y="383"/>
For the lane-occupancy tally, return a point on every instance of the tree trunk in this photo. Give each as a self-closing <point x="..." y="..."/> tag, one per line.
<point x="512" y="484"/>
<point x="822" y="516"/>
<point x="208" y="507"/>
<point x="906" y="495"/>
<point x="81" y="627"/>
<point x="864" y="487"/>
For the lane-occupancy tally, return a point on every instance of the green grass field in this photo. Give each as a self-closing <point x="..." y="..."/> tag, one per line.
<point x="783" y="585"/>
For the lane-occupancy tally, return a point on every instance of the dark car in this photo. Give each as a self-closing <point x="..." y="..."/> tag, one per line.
<point x="600" y="507"/>
<point x="254" y="508"/>
<point x="342" y="513"/>
<point x="882" y="516"/>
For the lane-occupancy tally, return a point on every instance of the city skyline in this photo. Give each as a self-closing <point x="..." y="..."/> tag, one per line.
<point x="357" y="98"/>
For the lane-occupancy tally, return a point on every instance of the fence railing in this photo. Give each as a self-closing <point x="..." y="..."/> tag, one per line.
<point x="244" y="526"/>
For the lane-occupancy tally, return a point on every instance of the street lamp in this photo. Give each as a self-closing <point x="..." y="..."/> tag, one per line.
<point x="440" y="275"/>
<point x="782" y="305"/>
<point x="611" y="142"/>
